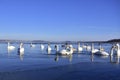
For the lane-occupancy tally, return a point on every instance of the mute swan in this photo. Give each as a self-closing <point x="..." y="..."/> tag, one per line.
<point x="10" y="47"/>
<point x="32" y="45"/>
<point x="49" y="48"/>
<point x="21" y="48"/>
<point x="101" y="52"/>
<point x="66" y="51"/>
<point x="79" y="48"/>
<point x="116" y="48"/>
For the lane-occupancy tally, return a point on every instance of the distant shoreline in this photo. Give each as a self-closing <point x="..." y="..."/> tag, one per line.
<point x="56" y="42"/>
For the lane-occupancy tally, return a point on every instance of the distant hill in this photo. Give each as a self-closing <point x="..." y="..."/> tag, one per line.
<point x="113" y="40"/>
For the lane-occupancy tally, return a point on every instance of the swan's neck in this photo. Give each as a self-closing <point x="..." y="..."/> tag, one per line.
<point x="78" y="45"/>
<point x="118" y="50"/>
<point x="111" y="52"/>
<point x="8" y="44"/>
<point x="100" y="47"/>
<point x="21" y="45"/>
<point x="118" y="47"/>
<point x="71" y="50"/>
<point x="92" y="46"/>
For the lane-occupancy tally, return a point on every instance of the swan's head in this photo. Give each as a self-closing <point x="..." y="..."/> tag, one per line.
<point x="117" y="45"/>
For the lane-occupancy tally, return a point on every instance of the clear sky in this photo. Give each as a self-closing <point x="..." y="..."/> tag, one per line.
<point x="60" y="19"/>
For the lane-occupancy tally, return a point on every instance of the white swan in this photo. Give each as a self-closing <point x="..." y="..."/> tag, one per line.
<point x="116" y="48"/>
<point x="79" y="48"/>
<point x="21" y="48"/>
<point x="93" y="50"/>
<point x="101" y="52"/>
<point x="49" y="48"/>
<point x="10" y="47"/>
<point x="42" y="47"/>
<point x="66" y="51"/>
<point x="32" y="45"/>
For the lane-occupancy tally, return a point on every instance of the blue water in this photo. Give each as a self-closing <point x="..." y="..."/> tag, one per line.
<point x="34" y="58"/>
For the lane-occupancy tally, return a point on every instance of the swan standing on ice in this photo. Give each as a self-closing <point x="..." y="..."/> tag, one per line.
<point x="10" y="47"/>
<point x="42" y="47"/>
<point x="116" y="48"/>
<point x="21" y="48"/>
<point x="79" y="48"/>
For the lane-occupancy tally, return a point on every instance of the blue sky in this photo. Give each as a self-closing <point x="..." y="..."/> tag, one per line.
<point x="60" y="19"/>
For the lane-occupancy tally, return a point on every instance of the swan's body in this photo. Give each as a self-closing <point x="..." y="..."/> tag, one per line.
<point x="79" y="48"/>
<point x="10" y="47"/>
<point x="101" y="52"/>
<point x="95" y="50"/>
<point x="66" y="51"/>
<point x="42" y="47"/>
<point x="32" y="45"/>
<point x="21" y="48"/>
<point x="49" y="48"/>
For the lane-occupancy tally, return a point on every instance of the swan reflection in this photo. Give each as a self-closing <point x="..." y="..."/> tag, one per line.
<point x="56" y="58"/>
<point x="114" y="59"/>
<point x="63" y="56"/>
<point x="21" y="55"/>
<point x="9" y="51"/>
<point x="92" y="58"/>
